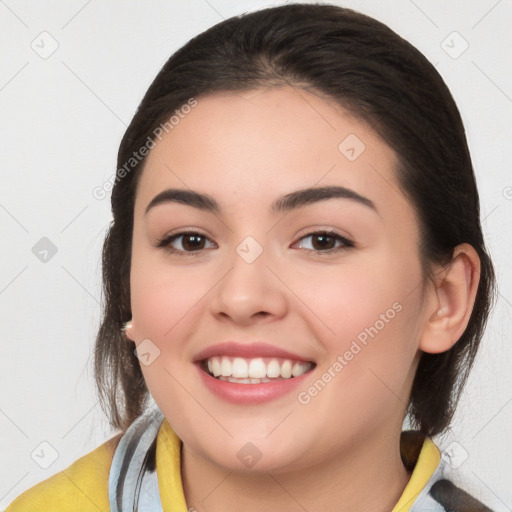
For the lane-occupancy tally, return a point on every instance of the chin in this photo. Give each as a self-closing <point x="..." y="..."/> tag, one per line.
<point x="251" y="455"/>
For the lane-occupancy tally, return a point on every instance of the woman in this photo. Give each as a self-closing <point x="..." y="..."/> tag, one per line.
<point x="295" y="265"/>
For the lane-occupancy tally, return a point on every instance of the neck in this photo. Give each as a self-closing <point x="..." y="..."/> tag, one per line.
<point x="369" y="475"/>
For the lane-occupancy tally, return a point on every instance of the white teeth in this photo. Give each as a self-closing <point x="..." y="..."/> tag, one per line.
<point x="255" y="371"/>
<point x="300" y="369"/>
<point x="286" y="369"/>
<point x="216" y="367"/>
<point x="240" y="369"/>
<point x="273" y="369"/>
<point x="226" y="367"/>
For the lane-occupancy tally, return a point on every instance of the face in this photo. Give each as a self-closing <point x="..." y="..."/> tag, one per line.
<point x="279" y="325"/>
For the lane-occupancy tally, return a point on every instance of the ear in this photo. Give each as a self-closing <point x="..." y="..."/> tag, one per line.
<point x="451" y="302"/>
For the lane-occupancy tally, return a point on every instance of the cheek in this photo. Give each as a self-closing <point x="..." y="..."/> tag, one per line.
<point x="352" y="299"/>
<point x="369" y="328"/>
<point x="373" y="312"/>
<point x="163" y="298"/>
<point x="166" y="304"/>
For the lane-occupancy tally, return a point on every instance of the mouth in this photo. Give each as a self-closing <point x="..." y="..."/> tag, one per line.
<point x="251" y="373"/>
<point x="255" y="370"/>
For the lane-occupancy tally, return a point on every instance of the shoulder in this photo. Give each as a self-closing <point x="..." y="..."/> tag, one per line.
<point x="81" y="487"/>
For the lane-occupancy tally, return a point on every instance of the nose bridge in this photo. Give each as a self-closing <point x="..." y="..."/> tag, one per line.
<point x="249" y="289"/>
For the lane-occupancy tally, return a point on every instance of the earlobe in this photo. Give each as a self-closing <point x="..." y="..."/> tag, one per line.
<point x="452" y="301"/>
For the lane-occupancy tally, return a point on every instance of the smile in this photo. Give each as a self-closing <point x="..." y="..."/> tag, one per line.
<point x="254" y="372"/>
<point x="257" y="370"/>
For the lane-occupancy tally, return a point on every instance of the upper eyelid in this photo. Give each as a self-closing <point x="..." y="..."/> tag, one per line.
<point x="170" y="237"/>
<point x="310" y="233"/>
<point x="328" y="231"/>
<point x="340" y="238"/>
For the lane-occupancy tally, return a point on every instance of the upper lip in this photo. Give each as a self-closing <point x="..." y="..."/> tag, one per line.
<point x="247" y="350"/>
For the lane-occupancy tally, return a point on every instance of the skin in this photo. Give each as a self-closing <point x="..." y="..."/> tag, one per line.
<point x="247" y="150"/>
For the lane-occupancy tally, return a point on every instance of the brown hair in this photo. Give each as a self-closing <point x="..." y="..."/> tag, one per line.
<point x="374" y="74"/>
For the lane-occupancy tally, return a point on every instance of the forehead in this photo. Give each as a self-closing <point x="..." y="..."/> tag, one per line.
<point x="249" y="148"/>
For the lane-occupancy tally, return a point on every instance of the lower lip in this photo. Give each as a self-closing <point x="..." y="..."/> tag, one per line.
<point x="250" y="393"/>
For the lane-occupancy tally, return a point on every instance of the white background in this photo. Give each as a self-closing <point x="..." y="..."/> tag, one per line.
<point x="61" y="121"/>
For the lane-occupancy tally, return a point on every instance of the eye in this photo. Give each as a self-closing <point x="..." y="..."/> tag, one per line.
<point x="325" y="241"/>
<point x="186" y="242"/>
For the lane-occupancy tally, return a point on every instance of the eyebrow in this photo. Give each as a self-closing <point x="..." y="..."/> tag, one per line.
<point x="286" y="203"/>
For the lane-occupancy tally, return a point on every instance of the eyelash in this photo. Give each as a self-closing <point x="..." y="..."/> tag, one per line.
<point x="166" y="241"/>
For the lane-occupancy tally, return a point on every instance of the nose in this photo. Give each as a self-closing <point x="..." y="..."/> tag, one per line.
<point x="249" y="293"/>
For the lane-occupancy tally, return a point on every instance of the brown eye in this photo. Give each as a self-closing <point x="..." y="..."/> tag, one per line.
<point x="193" y="242"/>
<point x="325" y="242"/>
<point x="186" y="242"/>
